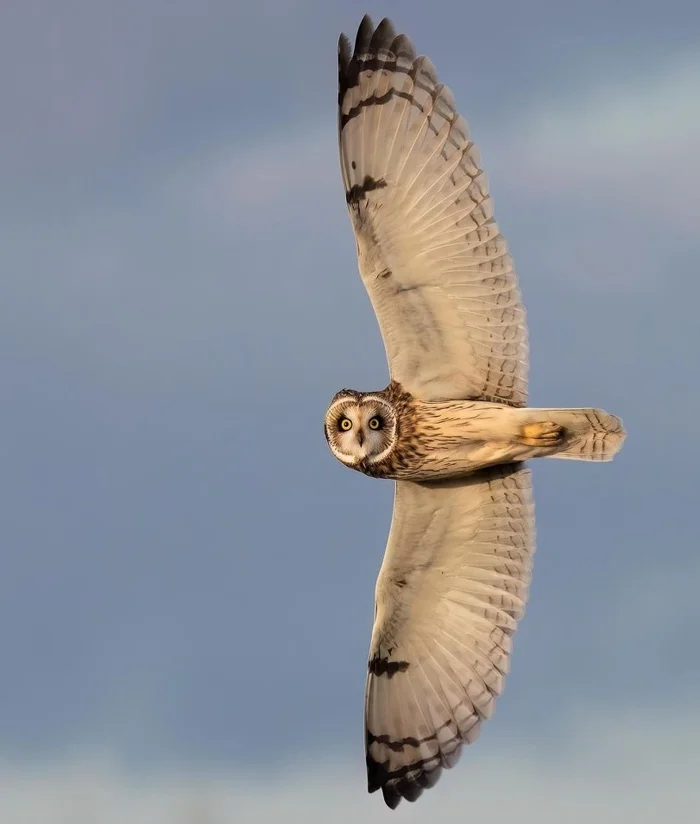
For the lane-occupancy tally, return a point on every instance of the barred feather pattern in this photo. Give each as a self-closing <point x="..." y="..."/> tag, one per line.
<point x="591" y="434"/>
<point x="451" y="590"/>
<point x="435" y="265"/>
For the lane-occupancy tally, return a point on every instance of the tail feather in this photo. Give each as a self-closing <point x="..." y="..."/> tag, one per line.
<point x="590" y="434"/>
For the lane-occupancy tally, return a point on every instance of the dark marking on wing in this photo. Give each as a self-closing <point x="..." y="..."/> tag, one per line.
<point x="383" y="666"/>
<point x="377" y="101"/>
<point x="359" y="191"/>
<point x="374" y="49"/>
<point x="399" y="743"/>
<point x="393" y="783"/>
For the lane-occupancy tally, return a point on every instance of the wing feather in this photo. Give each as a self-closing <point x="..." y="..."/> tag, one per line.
<point x="431" y="256"/>
<point x="451" y="590"/>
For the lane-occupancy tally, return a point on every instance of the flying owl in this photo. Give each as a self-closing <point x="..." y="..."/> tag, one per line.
<point x="453" y="428"/>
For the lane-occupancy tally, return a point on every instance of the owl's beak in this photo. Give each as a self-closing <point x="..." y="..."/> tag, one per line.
<point x="360" y="438"/>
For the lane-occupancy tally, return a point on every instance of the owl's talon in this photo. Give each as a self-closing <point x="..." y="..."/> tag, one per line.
<point x="542" y="433"/>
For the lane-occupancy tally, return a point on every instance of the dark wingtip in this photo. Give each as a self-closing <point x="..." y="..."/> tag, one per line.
<point x="383" y="36"/>
<point x="395" y="784"/>
<point x="393" y="788"/>
<point x="344" y="53"/>
<point x="377" y="779"/>
<point x="371" y="46"/>
<point x="401" y="46"/>
<point x="410" y="790"/>
<point x="392" y="796"/>
<point x="376" y="774"/>
<point x="364" y="35"/>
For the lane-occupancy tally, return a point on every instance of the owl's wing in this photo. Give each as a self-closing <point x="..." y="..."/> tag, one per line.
<point x="436" y="267"/>
<point x="452" y="587"/>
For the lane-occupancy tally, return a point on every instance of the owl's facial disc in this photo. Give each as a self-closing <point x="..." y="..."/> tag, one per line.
<point x="360" y="428"/>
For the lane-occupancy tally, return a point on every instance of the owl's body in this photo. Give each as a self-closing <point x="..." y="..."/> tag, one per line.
<point x="438" y="440"/>
<point x="453" y="427"/>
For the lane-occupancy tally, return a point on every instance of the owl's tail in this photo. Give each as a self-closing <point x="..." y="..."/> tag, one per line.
<point x="589" y="434"/>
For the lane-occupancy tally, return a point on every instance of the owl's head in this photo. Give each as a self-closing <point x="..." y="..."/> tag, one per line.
<point x="360" y="428"/>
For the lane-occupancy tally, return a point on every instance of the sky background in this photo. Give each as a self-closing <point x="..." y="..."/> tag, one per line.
<point x="186" y="574"/>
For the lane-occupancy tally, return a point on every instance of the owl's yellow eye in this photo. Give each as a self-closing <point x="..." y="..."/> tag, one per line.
<point x="345" y="424"/>
<point x="375" y="422"/>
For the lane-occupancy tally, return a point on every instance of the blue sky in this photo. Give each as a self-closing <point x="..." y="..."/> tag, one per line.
<point x="187" y="574"/>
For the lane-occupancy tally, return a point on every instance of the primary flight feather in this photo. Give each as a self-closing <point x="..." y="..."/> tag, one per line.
<point x="452" y="428"/>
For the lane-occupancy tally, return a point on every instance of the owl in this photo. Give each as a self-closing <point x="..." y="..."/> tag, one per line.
<point x="452" y="428"/>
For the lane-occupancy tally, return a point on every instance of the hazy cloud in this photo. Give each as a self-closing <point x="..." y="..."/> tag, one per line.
<point x="603" y="768"/>
<point x="627" y="142"/>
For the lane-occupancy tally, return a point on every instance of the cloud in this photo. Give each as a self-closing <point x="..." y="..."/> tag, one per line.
<point x="629" y="140"/>
<point x="622" y="139"/>
<point x="597" y="191"/>
<point x="637" y="766"/>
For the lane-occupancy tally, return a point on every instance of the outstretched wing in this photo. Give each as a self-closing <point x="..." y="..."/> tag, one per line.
<point x="452" y="587"/>
<point x="435" y="265"/>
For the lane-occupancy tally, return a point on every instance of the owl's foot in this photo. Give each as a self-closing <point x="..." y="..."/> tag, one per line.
<point x="542" y="433"/>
